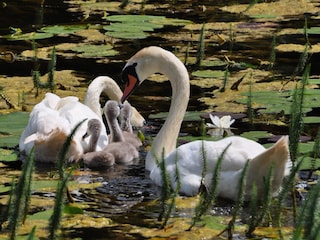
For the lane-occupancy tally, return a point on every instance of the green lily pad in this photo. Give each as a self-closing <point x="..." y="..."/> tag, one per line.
<point x="136" y="26"/>
<point x="8" y="155"/>
<point x="256" y="135"/>
<point x="311" y="119"/>
<point x="63" y="29"/>
<point x="11" y="127"/>
<point x="90" y="51"/>
<point x="29" y="36"/>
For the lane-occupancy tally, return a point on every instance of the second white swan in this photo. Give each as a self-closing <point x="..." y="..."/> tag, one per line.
<point x="189" y="158"/>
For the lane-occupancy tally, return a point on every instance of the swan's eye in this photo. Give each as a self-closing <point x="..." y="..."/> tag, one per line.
<point x="129" y="70"/>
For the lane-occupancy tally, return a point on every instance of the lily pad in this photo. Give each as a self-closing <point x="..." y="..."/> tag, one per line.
<point x="91" y="51"/>
<point x="63" y="29"/>
<point x="136" y="26"/>
<point x="11" y="127"/>
<point x="256" y="135"/>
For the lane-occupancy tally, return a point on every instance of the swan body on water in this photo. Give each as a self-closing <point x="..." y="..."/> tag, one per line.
<point x="51" y="121"/>
<point x="189" y="157"/>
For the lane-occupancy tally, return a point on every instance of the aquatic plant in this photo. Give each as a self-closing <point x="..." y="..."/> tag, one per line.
<point x="225" y="80"/>
<point x="254" y="2"/>
<point x="258" y="212"/>
<point x="272" y="57"/>
<point x="308" y="221"/>
<point x="20" y="199"/>
<point x="37" y="84"/>
<point x="62" y="185"/>
<point x="171" y="206"/>
<point x="249" y="104"/>
<point x="7" y="100"/>
<point x="238" y="204"/>
<point x="201" y="46"/>
<point x="208" y="193"/>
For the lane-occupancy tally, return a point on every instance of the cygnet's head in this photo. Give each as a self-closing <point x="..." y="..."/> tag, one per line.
<point x="94" y="128"/>
<point x="112" y="109"/>
<point x="126" y="111"/>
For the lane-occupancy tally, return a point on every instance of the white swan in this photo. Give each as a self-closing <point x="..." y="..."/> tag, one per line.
<point x="111" y="89"/>
<point x="189" y="156"/>
<point x="51" y="121"/>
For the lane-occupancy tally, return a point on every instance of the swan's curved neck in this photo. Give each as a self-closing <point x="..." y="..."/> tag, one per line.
<point x="166" y="139"/>
<point x="115" y="131"/>
<point x="99" y="85"/>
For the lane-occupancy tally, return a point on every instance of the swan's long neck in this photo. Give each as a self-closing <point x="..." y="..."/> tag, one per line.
<point x="115" y="131"/>
<point x="167" y="137"/>
<point x="99" y="85"/>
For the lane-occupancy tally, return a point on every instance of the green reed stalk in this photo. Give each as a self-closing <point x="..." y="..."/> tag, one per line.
<point x="171" y="206"/>
<point x="249" y="104"/>
<point x="166" y="187"/>
<point x="36" y="73"/>
<point x="225" y="80"/>
<point x="208" y="197"/>
<point x="52" y="69"/>
<point x="273" y="54"/>
<point x="239" y="203"/>
<point x="285" y="190"/>
<point x="315" y="153"/>
<point x="308" y="222"/>
<point x="305" y="31"/>
<point x="55" y="219"/>
<point x="201" y="46"/>
<point x="258" y="213"/>
<point x="254" y="2"/>
<point x="302" y="61"/>
<point x="186" y="54"/>
<point x="296" y="123"/>
<point x="31" y="235"/>
<point x="21" y="197"/>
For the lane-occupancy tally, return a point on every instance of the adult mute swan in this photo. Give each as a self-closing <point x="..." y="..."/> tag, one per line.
<point x="189" y="158"/>
<point x="111" y="89"/>
<point x="51" y="121"/>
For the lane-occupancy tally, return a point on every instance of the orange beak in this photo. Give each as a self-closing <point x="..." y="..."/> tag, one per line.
<point x="132" y="83"/>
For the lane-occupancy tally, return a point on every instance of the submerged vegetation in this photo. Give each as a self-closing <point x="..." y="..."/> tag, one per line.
<point x="233" y="71"/>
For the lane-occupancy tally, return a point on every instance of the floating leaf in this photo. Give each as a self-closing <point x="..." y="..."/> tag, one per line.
<point x="69" y="209"/>
<point x="311" y="119"/>
<point x="8" y="155"/>
<point x="11" y="127"/>
<point x="63" y="29"/>
<point x="256" y="135"/>
<point x="29" y="36"/>
<point x="91" y="51"/>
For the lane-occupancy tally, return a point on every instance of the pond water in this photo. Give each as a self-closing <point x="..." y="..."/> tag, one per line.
<point x="237" y="37"/>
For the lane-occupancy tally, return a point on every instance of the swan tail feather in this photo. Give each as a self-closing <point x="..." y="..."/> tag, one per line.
<point x="275" y="157"/>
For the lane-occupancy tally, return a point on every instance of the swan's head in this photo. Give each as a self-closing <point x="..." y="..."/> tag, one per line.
<point x="112" y="109"/>
<point x="94" y="128"/>
<point x="144" y="63"/>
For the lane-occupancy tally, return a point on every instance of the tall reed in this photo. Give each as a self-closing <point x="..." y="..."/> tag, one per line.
<point x="209" y="194"/>
<point x="20" y="200"/>
<point x="238" y="204"/>
<point x="55" y="219"/>
<point x="201" y="46"/>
